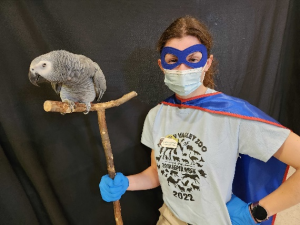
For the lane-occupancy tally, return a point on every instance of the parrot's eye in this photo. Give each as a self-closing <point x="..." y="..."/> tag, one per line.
<point x="44" y="65"/>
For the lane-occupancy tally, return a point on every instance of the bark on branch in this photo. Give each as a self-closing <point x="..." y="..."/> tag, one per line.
<point x="62" y="107"/>
<point x="109" y="160"/>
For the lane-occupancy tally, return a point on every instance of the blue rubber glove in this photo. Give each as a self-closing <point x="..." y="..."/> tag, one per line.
<point x="112" y="189"/>
<point x="239" y="212"/>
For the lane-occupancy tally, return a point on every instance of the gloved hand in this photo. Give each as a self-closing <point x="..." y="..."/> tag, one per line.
<point x="112" y="189"/>
<point x="239" y="212"/>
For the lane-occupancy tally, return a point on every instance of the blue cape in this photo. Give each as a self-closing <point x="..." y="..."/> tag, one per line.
<point x="254" y="179"/>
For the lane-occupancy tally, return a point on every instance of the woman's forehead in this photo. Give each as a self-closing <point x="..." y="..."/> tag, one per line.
<point x="182" y="43"/>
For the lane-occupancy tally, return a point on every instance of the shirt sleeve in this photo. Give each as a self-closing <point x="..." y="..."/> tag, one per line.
<point x="260" y="140"/>
<point x="147" y="135"/>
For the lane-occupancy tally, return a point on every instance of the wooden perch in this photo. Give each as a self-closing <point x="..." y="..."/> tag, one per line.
<point x="62" y="107"/>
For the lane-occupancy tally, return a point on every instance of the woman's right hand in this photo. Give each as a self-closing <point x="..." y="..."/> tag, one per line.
<point x="112" y="189"/>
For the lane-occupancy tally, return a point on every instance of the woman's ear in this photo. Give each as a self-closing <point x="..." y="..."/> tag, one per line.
<point x="208" y="63"/>
<point x="159" y="64"/>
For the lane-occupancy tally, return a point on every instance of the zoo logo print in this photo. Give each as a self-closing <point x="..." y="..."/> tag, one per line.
<point x="182" y="166"/>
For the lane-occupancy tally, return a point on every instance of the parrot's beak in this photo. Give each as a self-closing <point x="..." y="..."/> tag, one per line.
<point x="35" y="78"/>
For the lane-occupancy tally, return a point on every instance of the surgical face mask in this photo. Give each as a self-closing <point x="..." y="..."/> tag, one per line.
<point x="183" y="82"/>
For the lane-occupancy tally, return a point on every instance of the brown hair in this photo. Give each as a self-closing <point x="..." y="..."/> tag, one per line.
<point x="188" y="25"/>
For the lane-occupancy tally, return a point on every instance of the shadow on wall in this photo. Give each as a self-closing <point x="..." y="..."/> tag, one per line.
<point x="143" y="75"/>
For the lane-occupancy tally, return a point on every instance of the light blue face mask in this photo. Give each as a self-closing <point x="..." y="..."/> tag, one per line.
<point x="183" y="82"/>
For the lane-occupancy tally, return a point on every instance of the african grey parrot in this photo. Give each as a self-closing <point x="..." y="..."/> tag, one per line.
<point x="75" y="78"/>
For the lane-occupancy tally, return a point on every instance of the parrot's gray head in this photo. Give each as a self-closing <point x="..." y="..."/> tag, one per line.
<point x="46" y="67"/>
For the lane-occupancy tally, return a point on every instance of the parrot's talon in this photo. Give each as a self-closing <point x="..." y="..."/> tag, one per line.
<point x="71" y="105"/>
<point x="88" y="107"/>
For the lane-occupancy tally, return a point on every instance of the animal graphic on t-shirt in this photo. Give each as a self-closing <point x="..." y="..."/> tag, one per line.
<point x="183" y="165"/>
<point x="185" y="183"/>
<point x="189" y="189"/>
<point x="160" y="141"/>
<point x="195" y="187"/>
<point x="192" y="157"/>
<point x="174" y="182"/>
<point x="158" y="158"/>
<point x="174" y="173"/>
<point x="185" y="143"/>
<point x="180" y="188"/>
<point x="190" y="148"/>
<point x="196" y="153"/>
<point x="161" y="150"/>
<point x="185" y="160"/>
<point x="175" y="158"/>
<point x="170" y="152"/>
<point x="202" y="173"/>
<point x="192" y="176"/>
<point x="198" y="164"/>
<point x="175" y="151"/>
<point x="179" y="145"/>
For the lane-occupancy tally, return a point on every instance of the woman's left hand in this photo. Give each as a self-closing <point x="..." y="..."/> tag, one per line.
<point x="239" y="212"/>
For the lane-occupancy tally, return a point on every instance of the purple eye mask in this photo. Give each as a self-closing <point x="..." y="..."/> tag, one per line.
<point x="182" y="55"/>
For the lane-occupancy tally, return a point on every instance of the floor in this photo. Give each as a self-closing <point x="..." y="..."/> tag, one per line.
<point x="290" y="216"/>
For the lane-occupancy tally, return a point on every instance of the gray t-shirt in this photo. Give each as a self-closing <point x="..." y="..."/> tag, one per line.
<point x="196" y="154"/>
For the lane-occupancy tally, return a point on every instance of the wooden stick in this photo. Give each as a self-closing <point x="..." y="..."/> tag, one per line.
<point x="109" y="160"/>
<point x="62" y="107"/>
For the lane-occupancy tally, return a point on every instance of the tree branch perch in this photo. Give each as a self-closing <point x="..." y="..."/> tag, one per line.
<point x="62" y="107"/>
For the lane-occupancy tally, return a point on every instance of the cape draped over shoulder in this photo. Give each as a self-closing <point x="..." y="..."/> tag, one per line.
<point x="254" y="179"/>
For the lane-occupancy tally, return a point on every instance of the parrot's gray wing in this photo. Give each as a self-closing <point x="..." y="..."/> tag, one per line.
<point x="99" y="83"/>
<point x="56" y="87"/>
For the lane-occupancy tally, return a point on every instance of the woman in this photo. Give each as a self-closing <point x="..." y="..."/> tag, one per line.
<point x="196" y="138"/>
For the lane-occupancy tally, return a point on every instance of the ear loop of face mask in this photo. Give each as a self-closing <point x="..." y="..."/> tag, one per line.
<point x="203" y="72"/>
<point x="182" y="56"/>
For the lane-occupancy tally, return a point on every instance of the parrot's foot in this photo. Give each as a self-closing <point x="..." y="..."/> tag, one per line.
<point x="71" y="105"/>
<point x="88" y="107"/>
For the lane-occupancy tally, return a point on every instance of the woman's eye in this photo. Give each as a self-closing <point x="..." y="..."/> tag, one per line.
<point x="194" y="57"/>
<point x="194" y="60"/>
<point x="172" y="61"/>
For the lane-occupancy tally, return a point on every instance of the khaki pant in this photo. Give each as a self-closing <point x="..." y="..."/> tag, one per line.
<point x="168" y="218"/>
